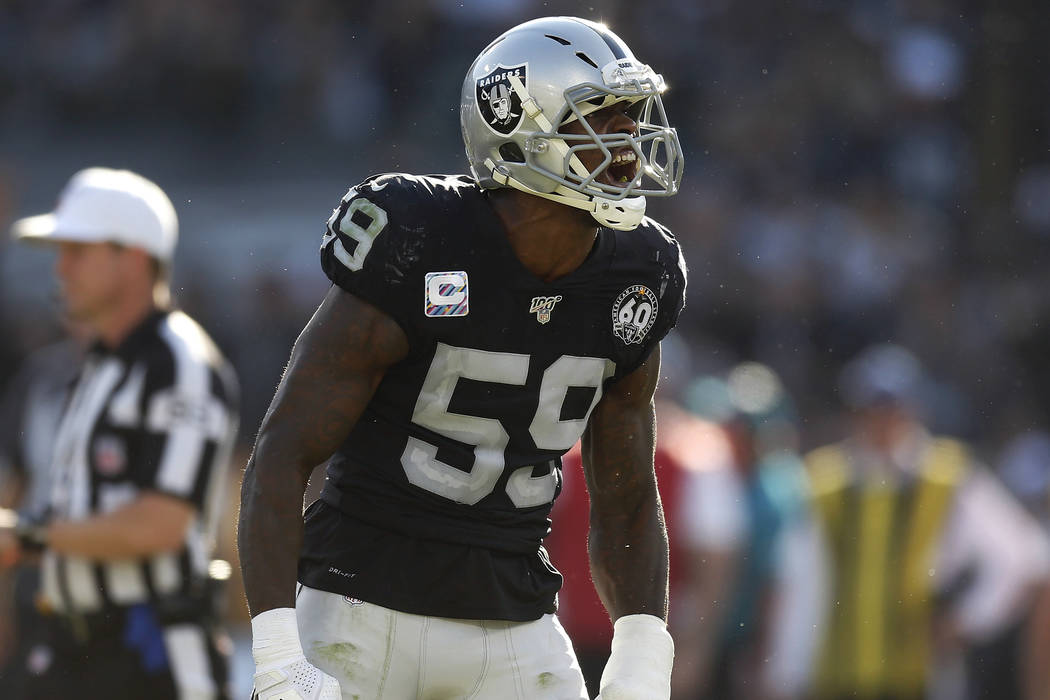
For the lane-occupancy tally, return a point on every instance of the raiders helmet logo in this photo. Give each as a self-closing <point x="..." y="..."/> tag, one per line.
<point x="634" y="313"/>
<point x="499" y="104"/>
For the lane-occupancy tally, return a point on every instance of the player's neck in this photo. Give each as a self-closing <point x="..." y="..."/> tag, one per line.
<point x="551" y="240"/>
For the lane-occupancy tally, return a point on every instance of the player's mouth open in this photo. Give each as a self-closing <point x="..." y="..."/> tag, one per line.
<point x="623" y="168"/>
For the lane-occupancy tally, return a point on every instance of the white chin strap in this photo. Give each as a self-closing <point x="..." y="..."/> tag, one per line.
<point x="621" y="214"/>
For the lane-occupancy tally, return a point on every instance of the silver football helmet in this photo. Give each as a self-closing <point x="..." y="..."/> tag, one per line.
<point x="545" y="74"/>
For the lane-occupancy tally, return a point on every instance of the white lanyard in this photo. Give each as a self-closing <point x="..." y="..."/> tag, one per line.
<point x="70" y="490"/>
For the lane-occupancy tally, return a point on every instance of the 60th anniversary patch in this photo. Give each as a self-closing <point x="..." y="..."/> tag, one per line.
<point x="634" y="313"/>
<point x="499" y="104"/>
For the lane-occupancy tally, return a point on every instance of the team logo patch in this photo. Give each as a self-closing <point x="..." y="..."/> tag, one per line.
<point x="110" y="455"/>
<point x="543" y="306"/>
<point x="634" y="313"/>
<point x="499" y="104"/>
<point x="446" y="294"/>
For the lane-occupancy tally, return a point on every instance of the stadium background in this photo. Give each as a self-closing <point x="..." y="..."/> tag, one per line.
<point x="856" y="171"/>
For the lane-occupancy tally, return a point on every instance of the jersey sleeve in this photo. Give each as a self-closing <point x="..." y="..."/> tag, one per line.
<point x="669" y="282"/>
<point x="671" y="290"/>
<point x="371" y="247"/>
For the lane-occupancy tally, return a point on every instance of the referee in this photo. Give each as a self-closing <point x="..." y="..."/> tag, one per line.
<point x="139" y="461"/>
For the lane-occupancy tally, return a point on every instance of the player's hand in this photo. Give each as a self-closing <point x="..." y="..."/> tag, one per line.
<point x="639" y="667"/>
<point x="281" y="670"/>
<point x="296" y="680"/>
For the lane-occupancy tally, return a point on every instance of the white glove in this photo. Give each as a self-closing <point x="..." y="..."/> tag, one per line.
<point x="281" y="670"/>
<point x="639" y="667"/>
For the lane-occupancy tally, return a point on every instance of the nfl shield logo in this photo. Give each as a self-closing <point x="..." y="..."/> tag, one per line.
<point x="543" y="306"/>
<point x="110" y="455"/>
<point x="499" y="104"/>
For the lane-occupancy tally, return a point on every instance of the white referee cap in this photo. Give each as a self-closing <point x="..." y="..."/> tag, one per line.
<point x="104" y="205"/>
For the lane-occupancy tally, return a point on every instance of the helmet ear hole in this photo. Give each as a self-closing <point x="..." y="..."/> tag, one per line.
<point x="511" y="152"/>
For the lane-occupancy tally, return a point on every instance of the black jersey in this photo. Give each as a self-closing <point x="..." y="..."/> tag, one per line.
<point x="438" y="500"/>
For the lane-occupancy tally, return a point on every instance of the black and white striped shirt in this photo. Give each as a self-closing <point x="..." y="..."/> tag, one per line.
<point x="158" y="413"/>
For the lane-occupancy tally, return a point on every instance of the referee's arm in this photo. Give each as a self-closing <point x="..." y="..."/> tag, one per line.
<point x="152" y="522"/>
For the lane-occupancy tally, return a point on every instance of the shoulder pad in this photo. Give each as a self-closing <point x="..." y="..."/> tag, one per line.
<point x="398" y="188"/>
<point x="387" y="231"/>
<point x="656" y="242"/>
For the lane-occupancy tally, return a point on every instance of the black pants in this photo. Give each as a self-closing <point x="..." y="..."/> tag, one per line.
<point x="123" y="654"/>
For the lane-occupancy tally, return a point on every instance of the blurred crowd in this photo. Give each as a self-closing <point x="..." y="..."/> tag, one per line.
<point x="889" y="564"/>
<point x="857" y="172"/>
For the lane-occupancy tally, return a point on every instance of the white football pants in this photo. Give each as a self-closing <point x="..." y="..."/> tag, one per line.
<point x="377" y="653"/>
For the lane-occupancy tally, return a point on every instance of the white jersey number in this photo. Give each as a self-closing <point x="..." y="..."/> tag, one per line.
<point x="362" y="235"/>
<point x="487" y="435"/>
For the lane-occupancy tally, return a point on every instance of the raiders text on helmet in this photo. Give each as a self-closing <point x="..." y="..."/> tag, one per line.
<point x="549" y="72"/>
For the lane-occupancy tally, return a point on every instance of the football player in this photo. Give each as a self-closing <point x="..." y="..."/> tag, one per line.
<point x="476" y="328"/>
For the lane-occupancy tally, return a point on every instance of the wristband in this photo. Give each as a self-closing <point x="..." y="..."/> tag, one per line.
<point x="644" y="634"/>
<point x="641" y="658"/>
<point x="31" y="536"/>
<point x="275" y="638"/>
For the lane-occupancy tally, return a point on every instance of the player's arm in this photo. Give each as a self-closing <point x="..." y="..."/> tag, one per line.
<point x="628" y="540"/>
<point x="335" y="367"/>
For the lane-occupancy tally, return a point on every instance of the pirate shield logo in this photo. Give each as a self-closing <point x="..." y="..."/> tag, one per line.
<point x="499" y="104"/>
